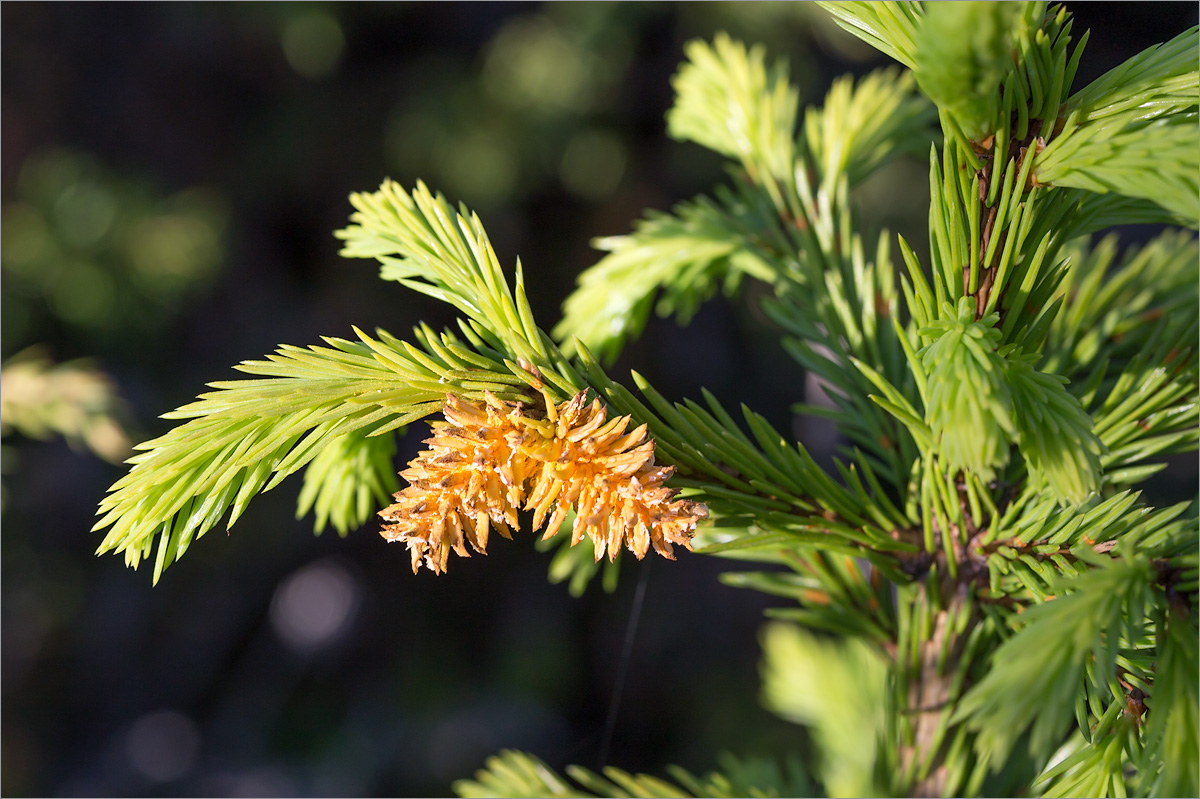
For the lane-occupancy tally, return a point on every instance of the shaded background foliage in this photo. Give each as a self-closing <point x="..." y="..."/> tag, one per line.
<point x="171" y="177"/>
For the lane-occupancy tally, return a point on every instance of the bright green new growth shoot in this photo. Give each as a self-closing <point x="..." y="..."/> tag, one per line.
<point x="998" y="611"/>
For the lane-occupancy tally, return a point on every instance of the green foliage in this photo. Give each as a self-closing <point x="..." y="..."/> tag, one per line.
<point x="40" y="399"/>
<point x="891" y="28"/>
<point x="686" y="254"/>
<point x="513" y="773"/>
<point x="1170" y="740"/>
<point x="1131" y="323"/>
<point x="75" y="400"/>
<point x="1090" y="770"/>
<point x="516" y="774"/>
<point x="976" y="544"/>
<point x="969" y="404"/>
<point x="250" y="434"/>
<point x="1095" y="616"/>
<point x="99" y="252"/>
<point x="1045" y="541"/>
<point x="963" y="51"/>
<point x="1134" y="131"/>
<point x="709" y="242"/>
<point x="730" y="101"/>
<point x="348" y="480"/>
<point x="863" y="125"/>
<point x="837" y="690"/>
<point x="1113" y="309"/>
<point x="424" y="245"/>
<point x="1055" y="433"/>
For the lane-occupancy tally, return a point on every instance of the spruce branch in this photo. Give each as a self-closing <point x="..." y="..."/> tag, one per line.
<point x="863" y="125"/>
<point x="1134" y="131"/>
<point x="765" y="473"/>
<point x="515" y="774"/>
<point x="976" y="534"/>
<point x="963" y="52"/>
<point x="425" y="245"/>
<point x="1091" y="615"/>
<point x="248" y="435"/>
<point x="889" y="27"/>
<point x="729" y="100"/>
<point x="845" y="715"/>
<point x="682" y="257"/>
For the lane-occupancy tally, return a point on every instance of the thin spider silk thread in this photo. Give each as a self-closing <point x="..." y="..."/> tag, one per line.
<point x="614" y="704"/>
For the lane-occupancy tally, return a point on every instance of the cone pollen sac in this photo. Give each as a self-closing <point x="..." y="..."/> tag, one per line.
<point x="487" y="460"/>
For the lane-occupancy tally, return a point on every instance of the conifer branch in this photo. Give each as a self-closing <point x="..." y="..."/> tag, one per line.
<point x="729" y="100"/>
<point x="889" y="27"/>
<point x="864" y="124"/>
<point x="845" y="716"/>
<point x="250" y="434"/>
<point x="425" y="245"/>
<point x="977" y="534"/>
<point x="682" y="257"/>
<point x="1134" y="131"/>
<point x="513" y="774"/>
<point x="1096" y="611"/>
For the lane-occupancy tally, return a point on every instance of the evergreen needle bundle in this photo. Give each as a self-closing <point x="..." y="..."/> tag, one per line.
<point x="999" y="611"/>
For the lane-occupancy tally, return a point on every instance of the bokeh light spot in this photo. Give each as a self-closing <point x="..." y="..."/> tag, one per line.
<point x="174" y="250"/>
<point x="479" y="167"/>
<point x="313" y="43"/>
<point x="26" y="237"/>
<point x="163" y="746"/>
<point x="592" y="164"/>
<point x="85" y="212"/>
<point x="531" y="64"/>
<point x="83" y="294"/>
<point x="314" y="605"/>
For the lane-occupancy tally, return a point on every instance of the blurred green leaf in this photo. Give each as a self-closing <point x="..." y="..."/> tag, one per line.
<point x="963" y="50"/>
<point x="838" y="689"/>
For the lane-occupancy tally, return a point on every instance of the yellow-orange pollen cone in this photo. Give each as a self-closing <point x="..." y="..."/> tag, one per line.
<point x="487" y="460"/>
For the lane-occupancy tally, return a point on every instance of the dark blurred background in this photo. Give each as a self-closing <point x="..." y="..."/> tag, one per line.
<point x="171" y="177"/>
